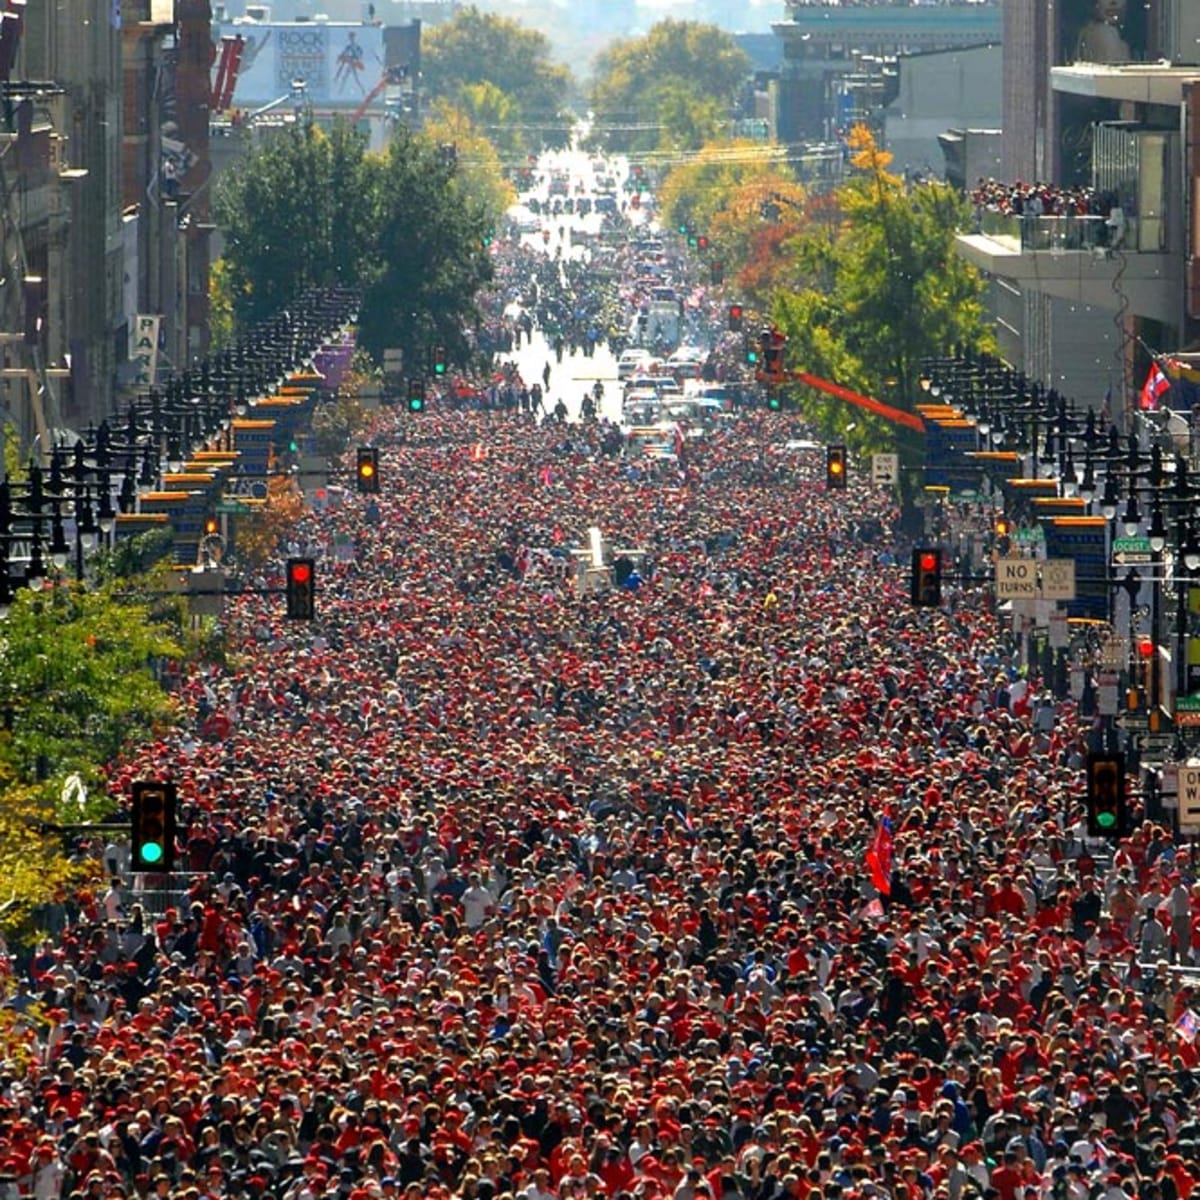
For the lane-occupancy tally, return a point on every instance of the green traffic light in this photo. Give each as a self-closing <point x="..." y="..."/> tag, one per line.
<point x="752" y="356"/>
<point x="773" y="403"/>
<point x="152" y="852"/>
<point x="1106" y="820"/>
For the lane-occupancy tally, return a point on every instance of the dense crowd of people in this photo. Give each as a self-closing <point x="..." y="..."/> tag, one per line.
<point x="741" y="879"/>
<point x="1040" y="200"/>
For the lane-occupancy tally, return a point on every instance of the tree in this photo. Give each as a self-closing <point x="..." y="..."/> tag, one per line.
<point x="428" y="257"/>
<point x="749" y="207"/>
<point x="75" y="681"/>
<point x="476" y="48"/>
<point x="479" y="178"/>
<point x="885" y="290"/>
<point x="670" y="89"/>
<point x="220" y="306"/>
<point x="295" y="214"/>
<point x="76" y="685"/>
<point x="314" y="209"/>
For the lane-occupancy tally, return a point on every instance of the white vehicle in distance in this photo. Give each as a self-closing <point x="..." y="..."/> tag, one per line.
<point x="631" y="362"/>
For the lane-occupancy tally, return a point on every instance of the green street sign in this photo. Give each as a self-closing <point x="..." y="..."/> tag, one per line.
<point x="1131" y="545"/>
<point x="1187" y="704"/>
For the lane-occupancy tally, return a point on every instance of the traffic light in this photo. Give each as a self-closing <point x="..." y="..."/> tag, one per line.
<point x="211" y="526"/>
<point x="735" y="318"/>
<point x="488" y="234"/>
<point x="835" y="468"/>
<point x="926" y="582"/>
<point x="773" y="356"/>
<point x="301" y="589"/>
<point x="774" y="401"/>
<point x="716" y="273"/>
<point x="416" y="395"/>
<point x="684" y="229"/>
<point x="1107" y="815"/>
<point x="701" y="242"/>
<point x="753" y="353"/>
<point x="152" y="823"/>
<point x="437" y="360"/>
<point x="1003" y="536"/>
<point x="366" y="472"/>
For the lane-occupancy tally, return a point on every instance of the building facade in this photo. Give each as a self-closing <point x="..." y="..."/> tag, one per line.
<point x="1105" y="113"/>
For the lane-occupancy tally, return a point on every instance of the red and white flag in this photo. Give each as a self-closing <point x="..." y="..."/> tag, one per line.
<point x="1155" y="387"/>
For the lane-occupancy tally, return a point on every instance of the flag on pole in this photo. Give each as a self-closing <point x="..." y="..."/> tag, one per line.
<point x="879" y="857"/>
<point x="1155" y="387"/>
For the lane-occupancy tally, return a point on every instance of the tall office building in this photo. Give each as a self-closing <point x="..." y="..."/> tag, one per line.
<point x="1100" y="94"/>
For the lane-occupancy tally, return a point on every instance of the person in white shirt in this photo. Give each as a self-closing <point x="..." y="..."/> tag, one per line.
<point x="477" y="902"/>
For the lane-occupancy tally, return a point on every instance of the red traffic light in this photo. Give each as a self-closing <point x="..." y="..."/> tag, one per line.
<point x="1145" y="647"/>
<point x="929" y="561"/>
<point x="301" y="592"/>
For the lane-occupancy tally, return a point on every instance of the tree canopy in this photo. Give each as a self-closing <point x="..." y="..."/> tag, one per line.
<point x="311" y="208"/>
<point x="75" y="686"/>
<point x="883" y="288"/>
<point x="746" y="203"/>
<point x="672" y="89"/>
<point x="476" y="48"/>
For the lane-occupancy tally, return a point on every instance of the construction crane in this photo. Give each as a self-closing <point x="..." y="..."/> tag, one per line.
<point x="392" y="77"/>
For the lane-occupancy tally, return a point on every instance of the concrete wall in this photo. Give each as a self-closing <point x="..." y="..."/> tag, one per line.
<point x="937" y="91"/>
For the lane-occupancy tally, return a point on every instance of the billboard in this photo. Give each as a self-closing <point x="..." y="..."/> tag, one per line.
<point x="339" y="64"/>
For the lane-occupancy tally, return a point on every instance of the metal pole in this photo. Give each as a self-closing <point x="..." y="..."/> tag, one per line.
<point x="1152" y="706"/>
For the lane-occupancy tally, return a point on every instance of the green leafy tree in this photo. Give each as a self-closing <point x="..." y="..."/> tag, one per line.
<point x="428" y="257"/>
<point x="295" y="214"/>
<point x="76" y="681"/>
<point x="479" y="178"/>
<point x="476" y="48"/>
<point x="671" y="89"/>
<point x="312" y="208"/>
<point x="76" y="685"/>
<point x="220" y="306"/>
<point x="884" y="290"/>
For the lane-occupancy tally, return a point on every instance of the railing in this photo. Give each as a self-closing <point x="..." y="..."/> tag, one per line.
<point x="1056" y="233"/>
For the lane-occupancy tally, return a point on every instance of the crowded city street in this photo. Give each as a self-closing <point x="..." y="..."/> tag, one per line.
<point x="618" y="829"/>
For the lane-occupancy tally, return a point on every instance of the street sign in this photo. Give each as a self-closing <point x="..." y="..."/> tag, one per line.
<point x="1016" y="579"/>
<point x="1058" y="579"/>
<point x="1189" y="799"/>
<point x="885" y="469"/>
<point x="1187" y="710"/>
<point x="1131" y="550"/>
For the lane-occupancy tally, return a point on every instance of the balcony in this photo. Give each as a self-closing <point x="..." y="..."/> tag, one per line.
<point x="1082" y="259"/>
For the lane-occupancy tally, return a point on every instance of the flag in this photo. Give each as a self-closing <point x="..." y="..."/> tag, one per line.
<point x="1188" y="1026"/>
<point x="879" y="857"/>
<point x="1155" y="387"/>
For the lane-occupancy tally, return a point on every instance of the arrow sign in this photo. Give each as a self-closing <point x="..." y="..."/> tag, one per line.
<point x="884" y="468"/>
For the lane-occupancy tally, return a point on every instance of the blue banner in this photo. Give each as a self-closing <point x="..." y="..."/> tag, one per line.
<point x="1085" y="541"/>
<point x="946" y="447"/>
